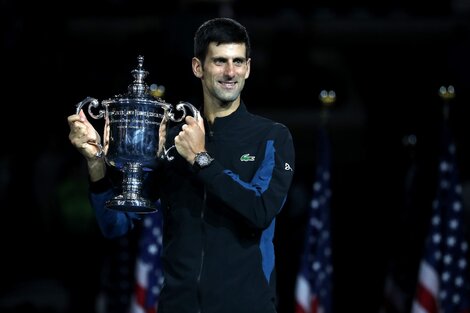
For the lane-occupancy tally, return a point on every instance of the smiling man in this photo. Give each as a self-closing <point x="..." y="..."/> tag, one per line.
<point x="222" y="193"/>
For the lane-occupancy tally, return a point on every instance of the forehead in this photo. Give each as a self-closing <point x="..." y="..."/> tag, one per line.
<point x="226" y="50"/>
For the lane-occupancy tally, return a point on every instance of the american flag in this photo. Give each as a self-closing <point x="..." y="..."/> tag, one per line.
<point x="443" y="283"/>
<point x="314" y="280"/>
<point x="148" y="269"/>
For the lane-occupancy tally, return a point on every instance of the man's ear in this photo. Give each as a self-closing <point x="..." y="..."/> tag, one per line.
<point x="197" y="67"/>
<point x="248" y="68"/>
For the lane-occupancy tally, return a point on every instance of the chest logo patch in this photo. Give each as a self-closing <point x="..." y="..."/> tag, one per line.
<point x="247" y="158"/>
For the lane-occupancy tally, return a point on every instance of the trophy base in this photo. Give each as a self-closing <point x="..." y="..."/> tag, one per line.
<point x="131" y="205"/>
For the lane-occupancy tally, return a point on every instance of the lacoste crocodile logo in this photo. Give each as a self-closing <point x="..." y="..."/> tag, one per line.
<point x="247" y="158"/>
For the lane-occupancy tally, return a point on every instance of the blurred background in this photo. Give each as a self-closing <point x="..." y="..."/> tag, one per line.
<point x="385" y="61"/>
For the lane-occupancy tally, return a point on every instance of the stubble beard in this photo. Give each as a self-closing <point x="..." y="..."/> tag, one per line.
<point x="227" y="97"/>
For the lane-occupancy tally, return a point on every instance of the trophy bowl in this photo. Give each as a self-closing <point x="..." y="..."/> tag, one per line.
<point x="133" y="121"/>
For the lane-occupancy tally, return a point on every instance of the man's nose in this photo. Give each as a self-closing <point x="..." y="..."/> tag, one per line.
<point x="229" y="69"/>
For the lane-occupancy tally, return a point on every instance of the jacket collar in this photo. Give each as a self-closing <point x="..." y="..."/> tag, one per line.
<point x="221" y="122"/>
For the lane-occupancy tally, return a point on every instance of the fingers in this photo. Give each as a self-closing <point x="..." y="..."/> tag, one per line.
<point x="77" y="128"/>
<point x="84" y="119"/>
<point x="82" y="133"/>
<point x="78" y="123"/>
<point x="72" y="119"/>
<point x="190" y="139"/>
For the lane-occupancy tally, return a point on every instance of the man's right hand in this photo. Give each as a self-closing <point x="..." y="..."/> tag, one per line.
<point x="86" y="139"/>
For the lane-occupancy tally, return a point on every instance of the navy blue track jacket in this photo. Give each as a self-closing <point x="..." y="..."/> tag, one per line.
<point x="218" y="222"/>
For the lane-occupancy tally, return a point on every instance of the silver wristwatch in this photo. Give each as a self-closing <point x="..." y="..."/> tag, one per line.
<point x="203" y="159"/>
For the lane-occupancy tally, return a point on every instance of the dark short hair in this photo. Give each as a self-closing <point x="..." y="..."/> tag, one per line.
<point x="219" y="30"/>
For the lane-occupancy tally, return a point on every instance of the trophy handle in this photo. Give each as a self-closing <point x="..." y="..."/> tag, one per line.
<point x="166" y="153"/>
<point x="93" y="103"/>
<point x="181" y="107"/>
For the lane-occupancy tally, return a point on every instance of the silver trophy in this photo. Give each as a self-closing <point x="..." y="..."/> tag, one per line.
<point x="133" y="120"/>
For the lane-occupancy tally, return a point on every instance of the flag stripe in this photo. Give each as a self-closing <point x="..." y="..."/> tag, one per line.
<point x="427" y="301"/>
<point x="429" y="279"/>
<point x="303" y="294"/>
<point x="417" y="308"/>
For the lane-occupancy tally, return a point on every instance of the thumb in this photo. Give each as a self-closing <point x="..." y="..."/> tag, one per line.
<point x="200" y="121"/>
<point x="83" y="118"/>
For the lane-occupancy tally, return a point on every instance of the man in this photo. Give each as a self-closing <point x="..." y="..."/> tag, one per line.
<point x="219" y="196"/>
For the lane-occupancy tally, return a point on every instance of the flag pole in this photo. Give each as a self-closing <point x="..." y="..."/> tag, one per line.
<point x="327" y="98"/>
<point x="446" y="94"/>
<point x="314" y="281"/>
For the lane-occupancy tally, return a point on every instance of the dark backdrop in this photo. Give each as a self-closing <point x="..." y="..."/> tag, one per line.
<point x="385" y="63"/>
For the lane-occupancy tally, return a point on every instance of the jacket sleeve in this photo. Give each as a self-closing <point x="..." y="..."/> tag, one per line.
<point x="262" y="198"/>
<point x="111" y="223"/>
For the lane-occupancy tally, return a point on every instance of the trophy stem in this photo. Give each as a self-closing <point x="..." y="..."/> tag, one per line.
<point x="131" y="199"/>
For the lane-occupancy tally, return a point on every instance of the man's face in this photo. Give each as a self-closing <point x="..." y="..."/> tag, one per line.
<point x="225" y="71"/>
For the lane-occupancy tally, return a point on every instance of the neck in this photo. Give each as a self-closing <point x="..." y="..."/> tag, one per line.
<point x="213" y="110"/>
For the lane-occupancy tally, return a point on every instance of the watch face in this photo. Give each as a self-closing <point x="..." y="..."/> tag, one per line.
<point x="203" y="159"/>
